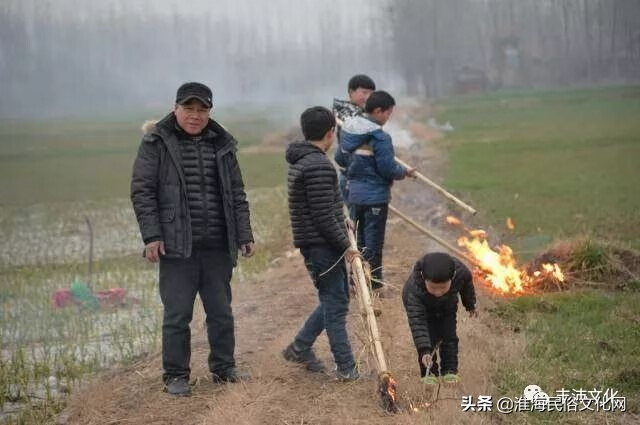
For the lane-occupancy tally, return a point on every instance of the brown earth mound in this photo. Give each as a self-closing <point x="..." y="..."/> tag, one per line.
<point x="588" y="262"/>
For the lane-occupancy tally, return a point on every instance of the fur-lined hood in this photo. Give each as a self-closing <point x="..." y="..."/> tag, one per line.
<point x="149" y="126"/>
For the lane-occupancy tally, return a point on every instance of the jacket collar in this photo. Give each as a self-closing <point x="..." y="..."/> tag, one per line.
<point x="167" y="129"/>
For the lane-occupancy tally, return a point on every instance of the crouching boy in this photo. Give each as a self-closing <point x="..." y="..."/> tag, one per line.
<point x="430" y="298"/>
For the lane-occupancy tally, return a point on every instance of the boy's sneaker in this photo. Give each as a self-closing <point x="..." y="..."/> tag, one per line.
<point x="451" y="379"/>
<point x="430" y="380"/>
<point x="178" y="386"/>
<point x="230" y="375"/>
<point x="306" y="357"/>
<point x="348" y="375"/>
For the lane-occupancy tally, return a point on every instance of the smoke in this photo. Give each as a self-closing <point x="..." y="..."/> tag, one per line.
<point x="109" y="57"/>
<point x="69" y="57"/>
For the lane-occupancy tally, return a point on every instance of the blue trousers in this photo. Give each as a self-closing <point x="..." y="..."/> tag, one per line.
<point x="371" y="222"/>
<point x="331" y="313"/>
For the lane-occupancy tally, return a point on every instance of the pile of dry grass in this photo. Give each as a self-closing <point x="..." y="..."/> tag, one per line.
<point x="592" y="263"/>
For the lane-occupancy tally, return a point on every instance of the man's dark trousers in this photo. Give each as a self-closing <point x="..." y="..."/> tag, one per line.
<point x="331" y="314"/>
<point x="207" y="272"/>
<point x="442" y="329"/>
<point x="371" y="221"/>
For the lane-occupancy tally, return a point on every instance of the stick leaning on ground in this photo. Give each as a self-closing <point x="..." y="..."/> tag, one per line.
<point x="437" y="187"/>
<point x="365" y="296"/>
<point x="427" y="180"/>
<point x="432" y="235"/>
<point x="386" y="383"/>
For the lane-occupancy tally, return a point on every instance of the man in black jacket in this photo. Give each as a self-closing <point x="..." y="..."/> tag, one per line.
<point x="430" y="298"/>
<point x="190" y="203"/>
<point x="319" y="230"/>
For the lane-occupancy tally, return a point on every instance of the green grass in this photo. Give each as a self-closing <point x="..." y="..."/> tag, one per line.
<point x="55" y="173"/>
<point x="70" y="160"/>
<point x="577" y="340"/>
<point x="562" y="164"/>
<point x="45" y="352"/>
<point x="559" y="163"/>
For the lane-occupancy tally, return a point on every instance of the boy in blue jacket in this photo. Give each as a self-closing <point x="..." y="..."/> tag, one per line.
<point x="359" y="89"/>
<point x="371" y="171"/>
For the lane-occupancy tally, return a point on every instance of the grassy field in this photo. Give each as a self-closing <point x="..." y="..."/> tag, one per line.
<point x="562" y="164"/>
<point x="585" y="340"/>
<point x="67" y="160"/>
<point x="46" y="351"/>
<point x="559" y="163"/>
<point x="53" y="175"/>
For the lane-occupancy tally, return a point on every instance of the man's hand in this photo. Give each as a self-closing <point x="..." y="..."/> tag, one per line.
<point x="248" y="249"/>
<point x="350" y="224"/>
<point x="153" y="250"/>
<point x="351" y="254"/>
<point x="412" y="172"/>
<point x="473" y="313"/>
<point x="426" y="360"/>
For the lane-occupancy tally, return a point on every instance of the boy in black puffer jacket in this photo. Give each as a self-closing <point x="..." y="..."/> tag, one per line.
<point x="320" y="231"/>
<point x="430" y="299"/>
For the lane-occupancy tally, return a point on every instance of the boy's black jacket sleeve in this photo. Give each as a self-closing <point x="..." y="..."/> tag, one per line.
<point x="467" y="291"/>
<point x="417" y="316"/>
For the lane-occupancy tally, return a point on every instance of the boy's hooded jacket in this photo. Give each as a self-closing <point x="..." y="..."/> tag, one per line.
<point x="423" y="307"/>
<point x="343" y="110"/>
<point x="371" y="168"/>
<point x="159" y="189"/>
<point x="315" y="205"/>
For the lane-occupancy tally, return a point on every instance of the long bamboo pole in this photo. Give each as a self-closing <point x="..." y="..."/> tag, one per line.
<point x="432" y="235"/>
<point x="437" y="187"/>
<point x="366" y="303"/>
<point x="429" y="182"/>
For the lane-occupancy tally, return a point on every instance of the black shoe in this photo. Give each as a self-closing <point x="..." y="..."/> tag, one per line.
<point x="347" y="375"/>
<point x="178" y="386"/>
<point x="306" y="357"/>
<point x="230" y="375"/>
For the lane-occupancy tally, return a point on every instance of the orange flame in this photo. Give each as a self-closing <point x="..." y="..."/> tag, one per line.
<point x="453" y="220"/>
<point x="480" y="234"/>
<point x="387" y="389"/>
<point x="498" y="266"/>
<point x="391" y="388"/>
<point x="420" y="406"/>
<point x="510" y="224"/>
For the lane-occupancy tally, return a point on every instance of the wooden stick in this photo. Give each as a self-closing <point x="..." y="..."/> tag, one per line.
<point x="428" y="181"/>
<point x="437" y="187"/>
<point x="363" y="293"/>
<point x="432" y="235"/>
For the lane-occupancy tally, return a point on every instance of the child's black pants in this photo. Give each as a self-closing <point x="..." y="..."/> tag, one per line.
<point x="442" y="329"/>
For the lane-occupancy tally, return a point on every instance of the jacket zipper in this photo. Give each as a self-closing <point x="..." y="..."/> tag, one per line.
<point x="202" y="191"/>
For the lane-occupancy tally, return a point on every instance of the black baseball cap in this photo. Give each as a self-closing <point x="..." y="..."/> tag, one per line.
<point x="194" y="90"/>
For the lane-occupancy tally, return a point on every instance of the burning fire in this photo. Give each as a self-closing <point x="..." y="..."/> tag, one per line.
<point x="419" y="406"/>
<point x="510" y="224"/>
<point x="499" y="267"/>
<point x="452" y="220"/>
<point x="388" y="389"/>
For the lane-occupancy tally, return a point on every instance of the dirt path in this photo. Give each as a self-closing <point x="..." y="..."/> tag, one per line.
<point x="269" y="309"/>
